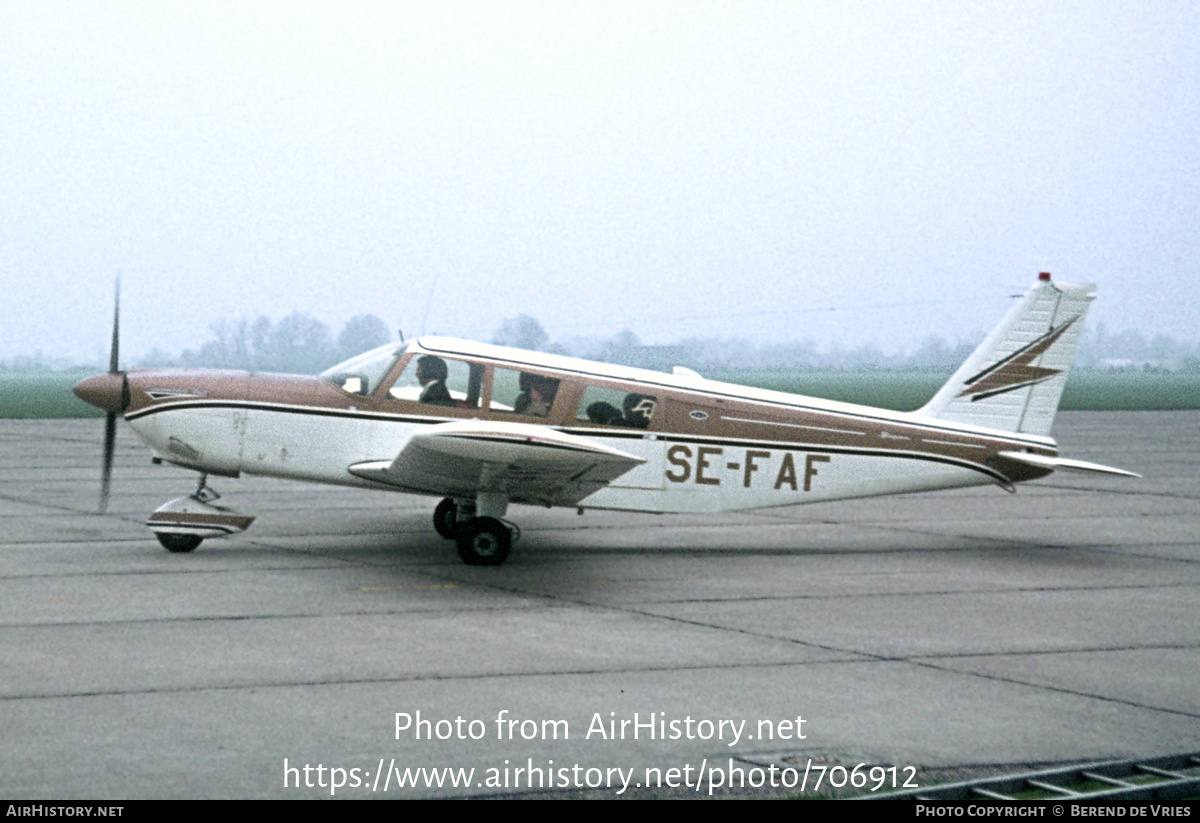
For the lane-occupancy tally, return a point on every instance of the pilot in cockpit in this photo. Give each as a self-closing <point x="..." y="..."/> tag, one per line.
<point x="431" y="374"/>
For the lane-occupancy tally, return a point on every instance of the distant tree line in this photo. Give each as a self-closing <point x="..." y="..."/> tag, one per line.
<point x="298" y="344"/>
<point x="1132" y="350"/>
<point x="1098" y="349"/>
<point x="301" y="344"/>
<point x="625" y="348"/>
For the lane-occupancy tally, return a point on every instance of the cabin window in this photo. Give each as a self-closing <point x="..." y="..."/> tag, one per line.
<point x="439" y="381"/>
<point x="522" y="392"/>
<point x="362" y="374"/>
<point x="616" y="407"/>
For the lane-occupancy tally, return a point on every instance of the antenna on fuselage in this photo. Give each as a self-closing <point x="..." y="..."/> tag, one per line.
<point x="428" y="303"/>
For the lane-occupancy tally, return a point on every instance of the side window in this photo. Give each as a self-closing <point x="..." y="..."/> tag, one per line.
<point x="439" y="381"/>
<point x="522" y="392"/>
<point x="616" y="407"/>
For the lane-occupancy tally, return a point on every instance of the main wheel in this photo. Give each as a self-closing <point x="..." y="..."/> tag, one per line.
<point x="445" y="518"/>
<point x="483" y="541"/>
<point x="179" y="543"/>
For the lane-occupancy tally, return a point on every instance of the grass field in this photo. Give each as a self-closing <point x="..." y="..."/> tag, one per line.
<point x="43" y="395"/>
<point x="49" y="395"/>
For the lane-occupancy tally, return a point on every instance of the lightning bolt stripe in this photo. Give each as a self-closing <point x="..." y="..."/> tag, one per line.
<point x="1015" y="371"/>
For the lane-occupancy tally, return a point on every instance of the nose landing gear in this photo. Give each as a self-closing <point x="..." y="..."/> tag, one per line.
<point x="181" y="524"/>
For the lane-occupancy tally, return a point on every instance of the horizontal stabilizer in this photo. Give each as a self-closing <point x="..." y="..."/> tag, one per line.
<point x="1043" y="462"/>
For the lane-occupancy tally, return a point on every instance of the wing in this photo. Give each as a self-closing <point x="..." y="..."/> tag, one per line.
<point x="526" y="463"/>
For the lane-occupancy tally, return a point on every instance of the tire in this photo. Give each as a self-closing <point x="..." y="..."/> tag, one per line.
<point x="445" y="518"/>
<point x="179" y="543"/>
<point x="483" y="541"/>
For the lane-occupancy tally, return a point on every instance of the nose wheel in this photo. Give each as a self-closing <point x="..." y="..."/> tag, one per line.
<point x="179" y="543"/>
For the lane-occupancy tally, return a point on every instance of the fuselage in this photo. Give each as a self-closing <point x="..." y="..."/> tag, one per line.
<point x="706" y="446"/>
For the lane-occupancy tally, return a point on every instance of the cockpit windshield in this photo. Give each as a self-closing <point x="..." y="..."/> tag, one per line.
<point x="361" y="374"/>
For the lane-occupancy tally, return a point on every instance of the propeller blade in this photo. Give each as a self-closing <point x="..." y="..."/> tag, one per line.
<point x="110" y="441"/>
<point x="110" y="419"/>
<point x="116" y="334"/>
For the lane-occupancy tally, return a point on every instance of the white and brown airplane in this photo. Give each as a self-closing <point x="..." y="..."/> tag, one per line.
<point x="484" y="426"/>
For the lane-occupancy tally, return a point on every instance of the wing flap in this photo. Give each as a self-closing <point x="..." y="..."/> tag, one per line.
<point x="527" y="463"/>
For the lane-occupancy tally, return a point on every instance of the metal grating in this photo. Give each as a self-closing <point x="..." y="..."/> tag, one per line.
<point x="1161" y="778"/>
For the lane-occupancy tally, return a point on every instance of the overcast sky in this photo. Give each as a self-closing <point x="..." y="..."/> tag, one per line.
<point x="850" y="172"/>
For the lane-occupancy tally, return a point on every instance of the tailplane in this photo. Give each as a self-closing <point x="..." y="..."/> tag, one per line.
<point x="1014" y="380"/>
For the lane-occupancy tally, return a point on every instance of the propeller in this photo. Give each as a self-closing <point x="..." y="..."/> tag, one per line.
<point x="110" y="419"/>
<point x="108" y="391"/>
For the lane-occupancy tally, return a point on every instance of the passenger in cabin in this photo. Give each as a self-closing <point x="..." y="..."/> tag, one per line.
<point x="636" y="411"/>
<point x="605" y="413"/>
<point x="537" y="395"/>
<point x="431" y="374"/>
<point x="639" y="409"/>
<point x="541" y="396"/>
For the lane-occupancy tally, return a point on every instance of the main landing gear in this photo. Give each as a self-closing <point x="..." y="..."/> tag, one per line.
<point x="445" y="518"/>
<point x="483" y="538"/>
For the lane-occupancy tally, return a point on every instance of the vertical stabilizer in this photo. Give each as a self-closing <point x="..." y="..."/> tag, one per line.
<point x="1015" y="379"/>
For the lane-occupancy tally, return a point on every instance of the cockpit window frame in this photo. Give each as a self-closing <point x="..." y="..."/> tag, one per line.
<point x="351" y="369"/>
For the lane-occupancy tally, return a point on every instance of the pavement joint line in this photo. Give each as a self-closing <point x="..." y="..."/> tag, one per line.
<point x="852" y="659"/>
<point x="937" y="593"/>
<point x="1124" y="551"/>
<point x="1047" y="652"/>
<point x="416" y="678"/>
<point x="139" y="572"/>
<point x="572" y="551"/>
<point x="242" y="618"/>
<point x="1058" y="690"/>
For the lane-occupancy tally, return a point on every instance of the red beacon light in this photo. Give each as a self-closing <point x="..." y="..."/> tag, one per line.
<point x="1044" y="275"/>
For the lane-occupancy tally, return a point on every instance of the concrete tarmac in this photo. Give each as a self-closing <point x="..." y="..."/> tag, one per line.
<point x="937" y="632"/>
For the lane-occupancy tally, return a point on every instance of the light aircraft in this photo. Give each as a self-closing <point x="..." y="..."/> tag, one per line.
<point x="483" y="426"/>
